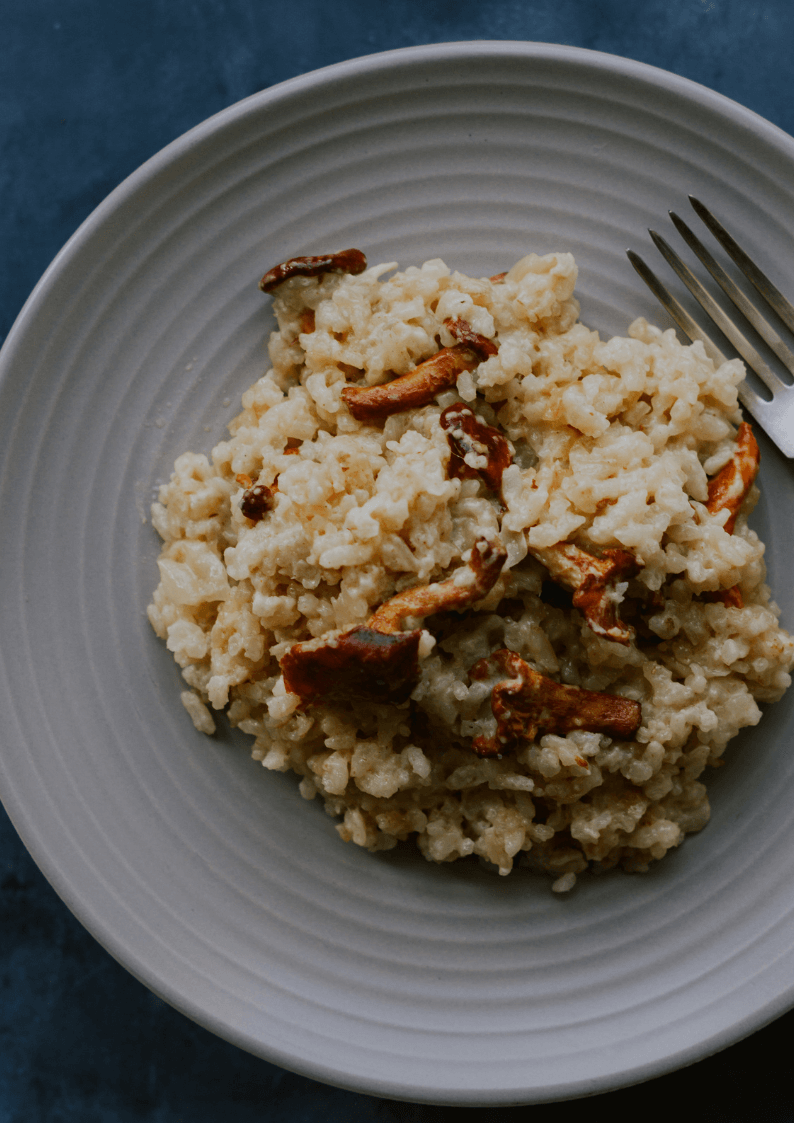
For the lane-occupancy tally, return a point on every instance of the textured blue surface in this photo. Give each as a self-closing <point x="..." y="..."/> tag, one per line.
<point x="89" y="90"/>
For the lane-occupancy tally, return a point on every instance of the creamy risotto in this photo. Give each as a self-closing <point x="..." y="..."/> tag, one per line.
<point x="482" y="579"/>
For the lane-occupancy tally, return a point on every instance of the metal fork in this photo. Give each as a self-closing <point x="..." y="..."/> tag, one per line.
<point x="777" y="414"/>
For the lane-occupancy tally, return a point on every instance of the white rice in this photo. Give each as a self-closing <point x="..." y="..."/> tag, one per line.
<point x="615" y="441"/>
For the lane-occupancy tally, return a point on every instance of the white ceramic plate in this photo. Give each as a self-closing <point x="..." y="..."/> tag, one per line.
<point x="212" y="880"/>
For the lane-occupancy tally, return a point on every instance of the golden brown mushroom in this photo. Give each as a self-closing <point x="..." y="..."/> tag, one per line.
<point x="593" y="581"/>
<point x="380" y="665"/>
<point x="377" y="659"/>
<point x="731" y="598"/>
<point x="477" y="449"/>
<point x="419" y="386"/>
<point x="457" y="593"/>
<point x="527" y="704"/>
<point x="728" y="489"/>
<point x="346" y="261"/>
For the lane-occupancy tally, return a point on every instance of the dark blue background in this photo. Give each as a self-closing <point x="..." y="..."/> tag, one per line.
<point x="89" y="89"/>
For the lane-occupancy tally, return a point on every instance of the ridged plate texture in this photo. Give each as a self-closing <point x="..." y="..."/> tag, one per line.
<point x="211" y="879"/>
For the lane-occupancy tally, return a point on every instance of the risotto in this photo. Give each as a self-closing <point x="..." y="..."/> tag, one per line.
<point x="480" y="578"/>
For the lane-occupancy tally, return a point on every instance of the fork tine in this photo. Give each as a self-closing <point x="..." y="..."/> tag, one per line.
<point x="764" y="328"/>
<point x="713" y="310"/>
<point x="749" y="398"/>
<point x="688" y="326"/>
<point x="772" y="295"/>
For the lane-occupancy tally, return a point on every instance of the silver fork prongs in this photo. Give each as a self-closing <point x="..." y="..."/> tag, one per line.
<point x="775" y="415"/>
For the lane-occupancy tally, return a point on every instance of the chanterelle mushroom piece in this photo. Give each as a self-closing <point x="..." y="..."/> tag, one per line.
<point x="594" y="581"/>
<point x="419" y="386"/>
<point x="729" y="488"/>
<point x="346" y="261"/>
<point x="377" y="658"/>
<point x="363" y="660"/>
<point x="527" y="704"/>
<point x="458" y="592"/>
<point x="477" y="449"/>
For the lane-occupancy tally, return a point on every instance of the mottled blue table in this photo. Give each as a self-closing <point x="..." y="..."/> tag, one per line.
<point x="89" y="90"/>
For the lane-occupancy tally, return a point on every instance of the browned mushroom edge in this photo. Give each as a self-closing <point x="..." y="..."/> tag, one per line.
<point x="419" y="386"/>
<point x="527" y="703"/>
<point x="476" y="449"/>
<point x="593" y="581"/>
<point x="361" y="661"/>
<point x="377" y="659"/>
<point x="728" y="490"/>
<point x="346" y="261"/>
